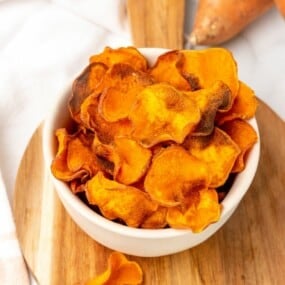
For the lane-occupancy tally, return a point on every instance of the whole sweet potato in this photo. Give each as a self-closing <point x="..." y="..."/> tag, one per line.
<point x="280" y="6"/>
<point x="217" y="21"/>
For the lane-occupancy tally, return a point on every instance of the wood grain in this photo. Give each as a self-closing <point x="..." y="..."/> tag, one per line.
<point x="249" y="249"/>
<point x="157" y="23"/>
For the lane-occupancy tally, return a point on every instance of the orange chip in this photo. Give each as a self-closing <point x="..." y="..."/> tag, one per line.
<point x="244" y="135"/>
<point x="210" y="100"/>
<point x="122" y="85"/>
<point x="129" y="55"/>
<point x="210" y="65"/>
<point x="156" y="220"/>
<point x="173" y="174"/>
<point x="134" y="160"/>
<point x="167" y="69"/>
<point x="118" y="201"/>
<point x="218" y="151"/>
<point x="59" y="166"/>
<point x="80" y="156"/>
<point x="74" y="158"/>
<point x="130" y="159"/>
<point x="120" y="271"/>
<point x="201" y="209"/>
<point x="85" y="85"/>
<point x="106" y="131"/>
<point x="162" y="113"/>
<point x="106" y="156"/>
<point x="244" y="106"/>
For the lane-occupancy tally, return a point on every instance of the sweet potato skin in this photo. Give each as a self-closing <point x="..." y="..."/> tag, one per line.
<point x="217" y="21"/>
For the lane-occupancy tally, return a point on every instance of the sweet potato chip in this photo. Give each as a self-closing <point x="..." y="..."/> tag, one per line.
<point x="122" y="85"/>
<point x="59" y="166"/>
<point x="134" y="160"/>
<point x="85" y="85"/>
<point x="210" y="65"/>
<point x="163" y="113"/>
<point x="76" y="186"/>
<point x="120" y="271"/>
<point x="244" y="106"/>
<point x="91" y="119"/>
<point x="118" y="201"/>
<point x="243" y="134"/>
<point x="173" y="174"/>
<point x="107" y="157"/>
<point x="167" y="68"/>
<point x="74" y="158"/>
<point x="157" y="220"/>
<point x="129" y="55"/>
<point x="201" y="209"/>
<point x="80" y="156"/>
<point x="130" y="159"/>
<point x="210" y="100"/>
<point x="218" y="151"/>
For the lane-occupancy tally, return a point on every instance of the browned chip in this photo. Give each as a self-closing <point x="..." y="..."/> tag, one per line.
<point x="157" y="220"/>
<point x="173" y="174"/>
<point x="118" y="201"/>
<point x="244" y="106"/>
<point x="106" y="131"/>
<point x="210" y="100"/>
<point x="77" y="186"/>
<point x="244" y="135"/>
<point x="74" y="158"/>
<point x="121" y="85"/>
<point x="201" y="209"/>
<point x="218" y="151"/>
<point x="129" y="158"/>
<point x="85" y="85"/>
<point x="59" y="166"/>
<point x="129" y="55"/>
<point x="107" y="157"/>
<point x="210" y="65"/>
<point x="168" y="69"/>
<point x="162" y="113"/>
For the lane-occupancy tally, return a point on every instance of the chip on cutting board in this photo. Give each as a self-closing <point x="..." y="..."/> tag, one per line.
<point x="120" y="271"/>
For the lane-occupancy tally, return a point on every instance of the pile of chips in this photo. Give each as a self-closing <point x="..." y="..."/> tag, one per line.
<point x="151" y="146"/>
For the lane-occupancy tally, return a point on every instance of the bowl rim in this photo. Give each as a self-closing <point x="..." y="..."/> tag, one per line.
<point x="238" y="189"/>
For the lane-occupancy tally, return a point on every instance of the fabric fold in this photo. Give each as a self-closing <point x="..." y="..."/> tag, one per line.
<point x="13" y="269"/>
<point x="108" y="14"/>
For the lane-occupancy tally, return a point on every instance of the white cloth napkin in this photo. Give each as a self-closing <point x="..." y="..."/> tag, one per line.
<point x="12" y="266"/>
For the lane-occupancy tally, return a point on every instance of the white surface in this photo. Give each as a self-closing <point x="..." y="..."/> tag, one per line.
<point x="138" y="242"/>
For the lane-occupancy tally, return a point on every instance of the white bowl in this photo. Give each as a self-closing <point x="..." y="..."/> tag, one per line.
<point x="133" y="241"/>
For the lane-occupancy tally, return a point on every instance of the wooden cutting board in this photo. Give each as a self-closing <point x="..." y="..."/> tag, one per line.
<point x="249" y="249"/>
<point x="157" y="23"/>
